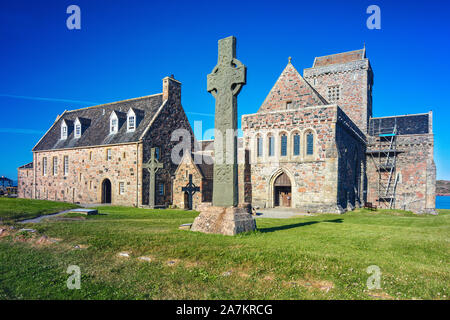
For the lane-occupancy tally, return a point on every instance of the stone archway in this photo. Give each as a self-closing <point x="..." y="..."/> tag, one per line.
<point x="281" y="188"/>
<point x="106" y="191"/>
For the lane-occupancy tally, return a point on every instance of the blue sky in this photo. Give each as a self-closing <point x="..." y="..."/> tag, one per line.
<point x="125" y="48"/>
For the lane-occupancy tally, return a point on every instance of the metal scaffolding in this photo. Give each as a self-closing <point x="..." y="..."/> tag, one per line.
<point x="385" y="149"/>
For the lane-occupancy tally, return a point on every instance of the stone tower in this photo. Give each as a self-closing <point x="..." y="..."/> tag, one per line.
<point x="345" y="79"/>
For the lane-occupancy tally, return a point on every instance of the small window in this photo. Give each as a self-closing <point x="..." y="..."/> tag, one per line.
<point x="161" y="189"/>
<point x="55" y="166"/>
<point x="283" y="145"/>
<point x="90" y="155"/>
<point x="108" y="154"/>
<point x="44" y="166"/>
<point x="114" y="127"/>
<point x="259" y="146"/>
<point x="296" y="144"/>
<point x="66" y="165"/>
<point x="121" y="187"/>
<point x="157" y="153"/>
<point x="288" y="104"/>
<point x="77" y="130"/>
<point x="333" y="93"/>
<point x="310" y="144"/>
<point x="131" y="123"/>
<point x="271" y="146"/>
<point x="64" y="131"/>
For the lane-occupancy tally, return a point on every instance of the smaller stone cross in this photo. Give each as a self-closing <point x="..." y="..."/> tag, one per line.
<point x="152" y="166"/>
<point x="190" y="188"/>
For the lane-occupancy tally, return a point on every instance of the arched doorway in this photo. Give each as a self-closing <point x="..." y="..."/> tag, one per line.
<point x="187" y="205"/>
<point x="282" y="196"/>
<point x="106" y="191"/>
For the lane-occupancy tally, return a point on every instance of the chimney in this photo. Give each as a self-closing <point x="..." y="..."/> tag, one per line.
<point x="171" y="89"/>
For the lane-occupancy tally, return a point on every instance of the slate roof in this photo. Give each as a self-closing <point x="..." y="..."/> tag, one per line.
<point x="206" y="168"/>
<point x="96" y="119"/>
<point x="27" y="166"/>
<point x="337" y="58"/>
<point x="406" y="124"/>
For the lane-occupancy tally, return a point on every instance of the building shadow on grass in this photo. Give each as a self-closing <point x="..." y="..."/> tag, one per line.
<point x="297" y="225"/>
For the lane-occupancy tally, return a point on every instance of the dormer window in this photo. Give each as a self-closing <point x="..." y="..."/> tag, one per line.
<point x="131" y="120"/>
<point x="64" y="131"/>
<point x="77" y="128"/>
<point x="114" y="123"/>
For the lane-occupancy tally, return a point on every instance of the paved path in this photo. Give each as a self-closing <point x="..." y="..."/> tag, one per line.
<point x="282" y="213"/>
<point x="39" y="219"/>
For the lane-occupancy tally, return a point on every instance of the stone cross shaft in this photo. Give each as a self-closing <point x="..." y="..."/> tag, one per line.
<point x="224" y="83"/>
<point x="191" y="189"/>
<point x="152" y="166"/>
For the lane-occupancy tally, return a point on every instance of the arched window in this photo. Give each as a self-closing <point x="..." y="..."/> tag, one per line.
<point x="283" y="145"/>
<point x="296" y="142"/>
<point x="259" y="147"/>
<point x="271" y="146"/>
<point x="309" y="143"/>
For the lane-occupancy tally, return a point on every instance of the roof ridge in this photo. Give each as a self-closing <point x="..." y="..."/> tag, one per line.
<point x="344" y="52"/>
<point x="115" y="102"/>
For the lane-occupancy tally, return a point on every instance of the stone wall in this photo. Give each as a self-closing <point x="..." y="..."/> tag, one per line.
<point x="351" y="149"/>
<point x="355" y="80"/>
<point x="313" y="177"/>
<point x="416" y="188"/>
<point x="25" y="183"/>
<point x="170" y="118"/>
<point x="87" y="169"/>
<point x="186" y="168"/>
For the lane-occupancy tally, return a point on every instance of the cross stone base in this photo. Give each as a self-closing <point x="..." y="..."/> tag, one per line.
<point x="227" y="221"/>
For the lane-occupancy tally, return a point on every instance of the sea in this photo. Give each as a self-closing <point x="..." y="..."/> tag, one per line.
<point x="442" y="202"/>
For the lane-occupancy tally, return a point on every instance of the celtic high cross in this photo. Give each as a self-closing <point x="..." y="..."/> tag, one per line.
<point x="152" y="166"/>
<point x="190" y="189"/>
<point x="224" y="83"/>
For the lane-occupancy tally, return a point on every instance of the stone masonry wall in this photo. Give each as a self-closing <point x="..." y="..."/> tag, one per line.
<point x="355" y="80"/>
<point x="416" y="189"/>
<point x="313" y="177"/>
<point x="182" y="178"/>
<point x="86" y="171"/>
<point x="172" y="117"/>
<point x="25" y="183"/>
<point x="351" y="149"/>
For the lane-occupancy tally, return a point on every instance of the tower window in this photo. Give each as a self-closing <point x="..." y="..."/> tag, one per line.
<point x="309" y="144"/>
<point x="333" y="93"/>
<point x="296" y="144"/>
<point x="283" y="145"/>
<point x="271" y="146"/>
<point x="108" y="154"/>
<point x="259" y="151"/>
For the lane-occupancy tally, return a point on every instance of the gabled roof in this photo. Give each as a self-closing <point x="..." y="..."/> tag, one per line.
<point x="337" y="58"/>
<point x="206" y="168"/>
<point x="27" y="166"/>
<point x="97" y="133"/>
<point x="291" y="87"/>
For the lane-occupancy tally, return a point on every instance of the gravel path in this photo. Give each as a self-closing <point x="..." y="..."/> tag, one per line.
<point x="282" y="213"/>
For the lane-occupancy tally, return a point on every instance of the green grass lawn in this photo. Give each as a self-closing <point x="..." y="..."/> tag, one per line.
<point x="20" y="209"/>
<point x="318" y="257"/>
